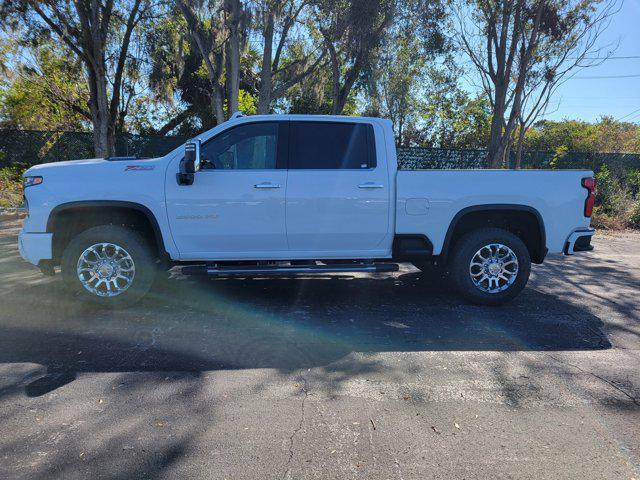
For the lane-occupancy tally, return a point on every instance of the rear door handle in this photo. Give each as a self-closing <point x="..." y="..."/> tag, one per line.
<point x="370" y="185"/>
<point x="266" y="185"/>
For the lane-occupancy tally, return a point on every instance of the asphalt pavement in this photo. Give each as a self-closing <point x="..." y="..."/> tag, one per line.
<point x="351" y="376"/>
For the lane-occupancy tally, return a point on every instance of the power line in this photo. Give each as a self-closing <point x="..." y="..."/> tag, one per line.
<point x="633" y="119"/>
<point x="596" y="77"/>
<point x="584" y="97"/>
<point x="628" y="114"/>
<point x="628" y="57"/>
<point x="592" y="107"/>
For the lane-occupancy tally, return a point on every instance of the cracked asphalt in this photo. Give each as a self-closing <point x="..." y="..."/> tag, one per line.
<point x="365" y="376"/>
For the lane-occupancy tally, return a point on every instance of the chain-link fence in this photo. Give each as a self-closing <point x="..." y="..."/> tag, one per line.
<point x="430" y="158"/>
<point x="33" y="147"/>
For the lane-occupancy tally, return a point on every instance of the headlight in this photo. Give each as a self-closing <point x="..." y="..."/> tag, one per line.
<point x="30" y="181"/>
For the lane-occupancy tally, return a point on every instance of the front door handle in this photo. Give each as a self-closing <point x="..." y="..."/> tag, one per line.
<point x="370" y="185"/>
<point x="266" y="185"/>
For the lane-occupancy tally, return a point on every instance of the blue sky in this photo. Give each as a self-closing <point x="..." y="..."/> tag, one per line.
<point x="588" y="99"/>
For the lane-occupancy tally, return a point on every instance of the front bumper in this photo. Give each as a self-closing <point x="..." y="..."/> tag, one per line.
<point x="35" y="247"/>
<point x="579" y="241"/>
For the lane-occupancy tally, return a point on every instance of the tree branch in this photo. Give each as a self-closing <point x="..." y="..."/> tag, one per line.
<point x="124" y="49"/>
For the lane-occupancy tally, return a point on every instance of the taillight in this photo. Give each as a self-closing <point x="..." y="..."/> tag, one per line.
<point x="590" y="184"/>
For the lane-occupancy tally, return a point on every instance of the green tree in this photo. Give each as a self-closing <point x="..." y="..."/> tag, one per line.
<point x="452" y="118"/>
<point x="220" y="30"/>
<point x="399" y="87"/>
<point x="99" y="35"/>
<point x="352" y="32"/>
<point x="605" y="135"/>
<point x="396" y="79"/>
<point x="287" y="59"/>
<point x="47" y="94"/>
<point x="510" y="42"/>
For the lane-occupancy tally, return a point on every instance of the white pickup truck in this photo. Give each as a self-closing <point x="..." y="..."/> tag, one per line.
<point x="296" y="194"/>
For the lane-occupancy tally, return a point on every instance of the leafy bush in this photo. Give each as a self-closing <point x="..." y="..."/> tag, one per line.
<point x="617" y="200"/>
<point x="632" y="181"/>
<point x="560" y="153"/>
<point x="611" y="196"/>
<point x="634" y="218"/>
<point x="11" y="185"/>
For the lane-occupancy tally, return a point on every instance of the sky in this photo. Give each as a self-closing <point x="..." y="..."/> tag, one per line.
<point x="588" y="99"/>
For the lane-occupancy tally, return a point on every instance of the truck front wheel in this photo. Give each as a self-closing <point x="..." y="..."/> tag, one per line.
<point x="490" y="266"/>
<point x="108" y="265"/>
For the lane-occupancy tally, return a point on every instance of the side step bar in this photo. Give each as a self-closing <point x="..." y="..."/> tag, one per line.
<point x="273" y="270"/>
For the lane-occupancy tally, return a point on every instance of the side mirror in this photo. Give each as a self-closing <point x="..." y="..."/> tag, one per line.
<point x="192" y="156"/>
<point x="191" y="163"/>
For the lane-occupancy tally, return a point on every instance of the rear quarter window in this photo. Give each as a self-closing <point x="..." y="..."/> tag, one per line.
<point x="326" y="145"/>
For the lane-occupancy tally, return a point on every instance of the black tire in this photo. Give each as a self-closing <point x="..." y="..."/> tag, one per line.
<point x="465" y="250"/>
<point x="129" y="240"/>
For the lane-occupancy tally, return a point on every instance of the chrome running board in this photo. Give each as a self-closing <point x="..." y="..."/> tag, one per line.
<point x="283" y="270"/>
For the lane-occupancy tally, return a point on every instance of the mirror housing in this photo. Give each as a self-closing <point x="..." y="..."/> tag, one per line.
<point x="192" y="156"/>
<point x="191" y="163"/>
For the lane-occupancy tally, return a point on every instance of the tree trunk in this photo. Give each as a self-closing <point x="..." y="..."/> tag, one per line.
<point x="266" y="78"/>
<point x="217" y="104"/>
<point x="494" y="153"/>
<point x="499" y="157"/>
<point x="214" y="61"/>
<point x="497" y="143"/>
<point x="335" y="79"/>
<point x="506" y="158"/>
<point x="218" y="87"/>
<point x="103" y="127"/>
<point x="340" y="92"/>
<point x="340" y="103"/>
<point x="233" y="75"/>
<point x="520" y="146"/>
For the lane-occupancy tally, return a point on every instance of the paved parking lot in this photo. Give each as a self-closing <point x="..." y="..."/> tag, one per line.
<point x="366" y="376"/>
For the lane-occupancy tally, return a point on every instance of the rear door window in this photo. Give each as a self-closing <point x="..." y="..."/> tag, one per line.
<point x="327" y="145"/>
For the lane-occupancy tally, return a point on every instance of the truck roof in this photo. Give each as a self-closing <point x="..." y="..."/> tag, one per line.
<point x="293" y="116"/>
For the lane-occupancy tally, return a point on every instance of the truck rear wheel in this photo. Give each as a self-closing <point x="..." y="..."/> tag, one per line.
<point x="490" y="266"/>
<point x="109" y="265"/>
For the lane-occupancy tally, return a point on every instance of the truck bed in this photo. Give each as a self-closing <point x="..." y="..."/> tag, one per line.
<point x="429" y="199"/>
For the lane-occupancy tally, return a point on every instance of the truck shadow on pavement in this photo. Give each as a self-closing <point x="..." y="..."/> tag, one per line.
<point x="194" y="325"/>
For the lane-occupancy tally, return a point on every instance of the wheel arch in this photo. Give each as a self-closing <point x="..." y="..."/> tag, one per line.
<point x="524" y="221"/>
<point x="93" y="212"/>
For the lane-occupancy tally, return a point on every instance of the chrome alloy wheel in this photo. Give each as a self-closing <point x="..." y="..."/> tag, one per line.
<point x="493" y="268"/>
<point x="106" y="269"/>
